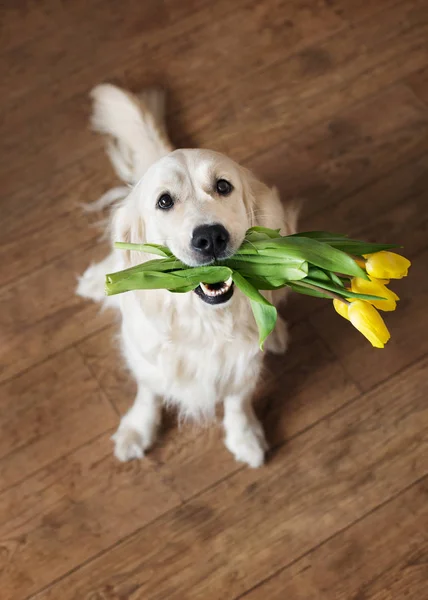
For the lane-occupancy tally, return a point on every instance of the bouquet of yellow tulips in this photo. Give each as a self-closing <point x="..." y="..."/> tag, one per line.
<point x="352" y="273"/>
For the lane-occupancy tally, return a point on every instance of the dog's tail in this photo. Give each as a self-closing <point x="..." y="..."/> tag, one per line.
<point x="135" y="130"/>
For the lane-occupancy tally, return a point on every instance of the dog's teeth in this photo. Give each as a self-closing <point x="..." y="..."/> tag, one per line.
<point x="206" y="290"/>
<point x="218" y="292"/>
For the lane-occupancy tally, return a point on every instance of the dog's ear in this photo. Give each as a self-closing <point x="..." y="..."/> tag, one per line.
<point x="265" y="208"/>
<point x="128" y="226"/>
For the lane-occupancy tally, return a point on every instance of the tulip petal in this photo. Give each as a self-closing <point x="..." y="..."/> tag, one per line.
<point x="375" y="288"/>
<point x="368" y="321"/>
<point x="341" y="308"/>
<point x="387" y="265"/>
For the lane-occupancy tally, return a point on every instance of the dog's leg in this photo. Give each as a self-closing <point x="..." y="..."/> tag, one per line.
<point x="138" y="427"/>
<point x="245" y="438"/>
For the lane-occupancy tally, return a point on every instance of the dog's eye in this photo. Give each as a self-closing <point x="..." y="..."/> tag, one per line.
<point x="165" y="202"/>
<point x="223" y="187"/>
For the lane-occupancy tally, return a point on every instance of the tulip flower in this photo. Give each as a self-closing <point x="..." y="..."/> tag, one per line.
<point x="366" y="319"/>
<point x="374" y="287"/>
<point x="341" y="307"/>
<point x="387" y="265"/>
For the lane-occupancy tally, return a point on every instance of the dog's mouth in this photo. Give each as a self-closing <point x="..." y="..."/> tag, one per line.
<point x="215" y="293"/>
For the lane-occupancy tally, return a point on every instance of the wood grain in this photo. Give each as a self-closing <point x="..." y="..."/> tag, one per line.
<point x="48" y="411"/>
<point x="51" y="221"/>
<point x="72" y="509"/>
<point x="419" y="84"/>
<point x="40" y="314"/>
<point x="380" y="556"/>
<point x="352" y="150"/>
<point x="182" y="69"/>
<point x="248" y="526"/>
<point x="327" y="100"/>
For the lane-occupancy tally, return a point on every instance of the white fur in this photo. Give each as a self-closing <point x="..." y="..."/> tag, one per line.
<point x="182" y="351"/>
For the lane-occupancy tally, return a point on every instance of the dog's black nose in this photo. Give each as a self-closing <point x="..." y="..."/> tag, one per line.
<point x="210" y="240"/>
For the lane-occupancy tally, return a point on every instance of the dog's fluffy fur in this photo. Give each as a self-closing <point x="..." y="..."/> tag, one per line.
<point x="180" y="349"/>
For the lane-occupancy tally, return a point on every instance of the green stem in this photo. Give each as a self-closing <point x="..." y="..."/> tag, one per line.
<point x="126" y="246"/>
<point x="323" y="291"/>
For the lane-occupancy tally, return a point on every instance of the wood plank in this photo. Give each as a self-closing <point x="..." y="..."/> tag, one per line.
<point x="337" y="158"/>
<point x="297" y="390"/>
<point x="40" y="314"/>
<point x="190" y="30"/>
<point x="27" y="23"/>
<point x="405" y="224"/>
<point x="315" y="83"/>
<point x="47" y="149"/>
<point x="51" y="221"/>
<point x="410" y="579"/>
<point x="358" y="458"/>
<point x="47" y="412"/>
<point x="100" y="33"/>
<point x="390" y="209"/>
<point x="329" y="100"/>
<point x="408" y="326"/>
<point x="73" y="509"/>
<point x="101" y="352"/>
<point x="388" y="546"/>
<point x="418" y="82"/>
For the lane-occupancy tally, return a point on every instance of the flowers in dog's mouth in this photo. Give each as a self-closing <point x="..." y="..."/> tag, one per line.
<point x="354" y="274"/>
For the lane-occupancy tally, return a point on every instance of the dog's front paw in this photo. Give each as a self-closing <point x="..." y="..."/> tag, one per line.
<point x="248" y="445"/>
<point x="128" y="444"/>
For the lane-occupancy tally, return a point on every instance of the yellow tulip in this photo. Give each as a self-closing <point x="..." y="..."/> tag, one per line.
<point x="387" y="265"/>
<point x="360" y="262"/>
<point x="366" y="319"/>
<point x="341" y="308"/>
<point x="375" y="288"/>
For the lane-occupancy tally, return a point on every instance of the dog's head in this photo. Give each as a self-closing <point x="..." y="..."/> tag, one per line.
<point x="199" y="203"/>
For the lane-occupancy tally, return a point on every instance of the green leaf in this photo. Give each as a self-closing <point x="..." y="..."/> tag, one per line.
<point x="157" y="264"/>
<point x="335" y="279"/>
<point x="210" y="274"/>
<point x="341" y="290"/>
<point x="264" y="312"/>
<point x="148" y="248"/>
<point x="300" y="289"/>
<point x="145" y="280"/>
<point x="265" y="283"/>
<point x="318" y="274"/>
<point x="280" y="271"/>
<point x="314" y="252"/>
<point x="184" y="289"/>
<point x="271" y="233"/>
<point x="256" y="258"/>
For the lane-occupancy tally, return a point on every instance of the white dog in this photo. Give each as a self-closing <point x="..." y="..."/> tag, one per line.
<point x="200" y="348"/>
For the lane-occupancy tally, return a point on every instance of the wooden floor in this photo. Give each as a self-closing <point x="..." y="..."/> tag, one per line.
<point x="328" y="99"/>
